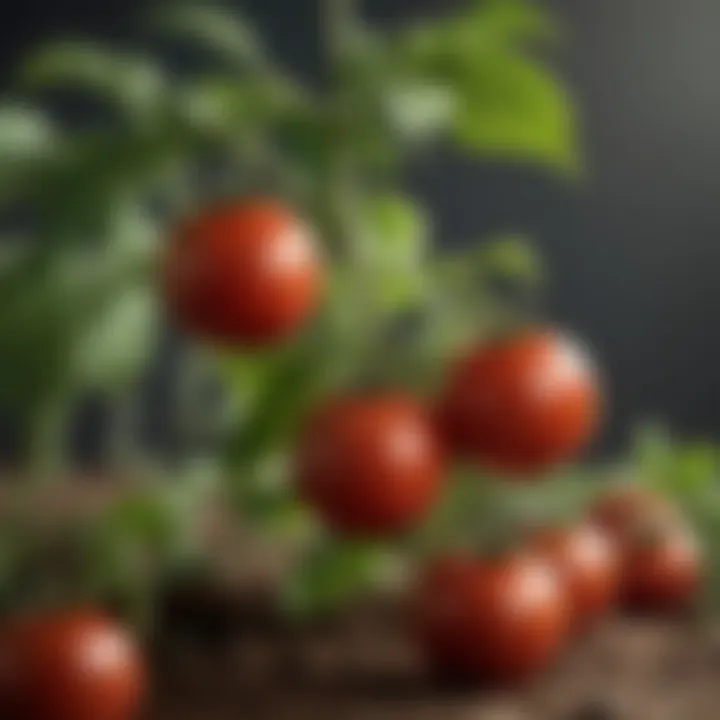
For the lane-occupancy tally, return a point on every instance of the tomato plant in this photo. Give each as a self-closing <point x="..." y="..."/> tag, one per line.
<point x="302" y="272"/>
<point x="500" y="619"/>
<point x="523" y="403"/>
<point x="370" y="464"/>
<point x="73" y="665"/>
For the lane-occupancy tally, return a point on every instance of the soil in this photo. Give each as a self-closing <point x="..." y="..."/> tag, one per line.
<point x="222" y="655"/>
<point x="222" y="659"/>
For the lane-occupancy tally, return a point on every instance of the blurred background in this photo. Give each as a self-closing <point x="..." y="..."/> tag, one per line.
<point x="634" y="254"/>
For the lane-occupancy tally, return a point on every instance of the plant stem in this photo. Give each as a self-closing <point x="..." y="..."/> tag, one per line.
<point x="48" y="442"/>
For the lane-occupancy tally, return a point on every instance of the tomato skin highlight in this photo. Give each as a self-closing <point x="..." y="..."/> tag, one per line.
<point x="70" y="666"/>
<point x="246" y="273"/>
<point x="499" y="620"/>
<point x="662" y="574"/>
<point x="522" y="404"/>
<point x="370" y="465"/>
<point x="589" y="563"/>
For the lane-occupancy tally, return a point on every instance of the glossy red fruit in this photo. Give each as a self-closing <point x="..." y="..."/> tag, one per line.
<point x="370" y="464"/>
<point x="69" y="666"/>
<point x="588" y="562"/>
<point x="522" y="404"/>
<point x="662" y="569"/>
<point x="498" y="620"/>
<point x="620" y="510"/>
<point x="243" y="274"/>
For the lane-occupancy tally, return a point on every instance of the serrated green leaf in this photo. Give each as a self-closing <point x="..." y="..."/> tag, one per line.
<point x="214" y="27"/>
<point x="133" y="81"/>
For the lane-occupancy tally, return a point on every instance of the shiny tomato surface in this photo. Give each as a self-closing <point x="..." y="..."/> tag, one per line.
<point x="498" y="620"/>
<point x="521" y="404"/>
<point x="370" y="464"/>
<point x="662" y="570"/>
<point x="247" y="273"/>
<point x="589" y="563"/>
<point x="69" y="666"/>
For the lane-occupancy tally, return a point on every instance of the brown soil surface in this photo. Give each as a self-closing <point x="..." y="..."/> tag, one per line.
<point x="363" y="668"/>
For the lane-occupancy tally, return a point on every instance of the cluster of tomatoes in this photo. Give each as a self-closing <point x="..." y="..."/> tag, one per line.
<point x="373" y="464"/>
<point x="503" y="617"/>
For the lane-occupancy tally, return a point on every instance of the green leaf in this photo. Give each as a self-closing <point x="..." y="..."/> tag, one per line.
<point x="29" y="145"/>
<point x="80" y="197"/>
<point x="512" y="108"/>
<point x="215" y="105"/>
<point x="330" y="575"/>
<point x="514" y="20"/>
<point x="695" y="467"/>
<point x="509" y="105"/>
<point x="396" y="246"/>
<point x="118" y="345"/>
<point x="511" y="256"/>
<point x="147" y="520"/>
<point x="131" y="80"/>
<point x="26" y="133"/>
<point x="214" y="27"/>
<point x="293" y="381"/>
<point x="34" y="356"/>
<point x="488" y="25"/>
<point x="652" y="451"/>
<point x="420" y="110"/>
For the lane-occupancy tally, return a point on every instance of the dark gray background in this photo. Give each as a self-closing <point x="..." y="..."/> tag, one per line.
<point x="634" y="255"/>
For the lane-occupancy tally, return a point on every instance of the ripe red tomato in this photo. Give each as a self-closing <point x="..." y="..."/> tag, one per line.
<point x="69" y="666"/>
<point x="522" y="404"/>
<point x="246" y="273"/>
<point x="588" y="562"/>
<point x="620" y="510"/>
<point x="662" y="569"/>
<point x="370" y="465"/>
<point x="500" y="620"/>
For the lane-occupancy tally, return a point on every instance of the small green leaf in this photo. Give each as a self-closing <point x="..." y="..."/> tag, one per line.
<point x="514" y="20"/>
<point x="330" y="575"/>
<point x="653" y="452"/>
<point x="214" y="27"/>
<point x="26" y="133"/>
<point x="511" y="256"/>
<point x="117" y="346"/>
<point x="133" y="81"/>
<point x="697" y="465"/>
<point x="512" y="108"/>
<point x="509" y="106"/>
<point x="418" y="111"/>
<point x="396" y="247"/>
